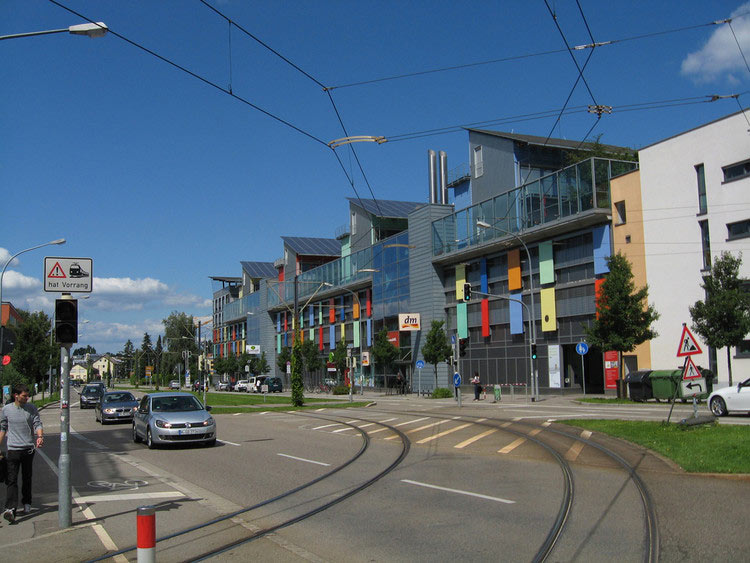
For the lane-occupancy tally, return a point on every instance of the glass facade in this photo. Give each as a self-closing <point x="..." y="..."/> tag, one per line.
<point x="569" y="191"/>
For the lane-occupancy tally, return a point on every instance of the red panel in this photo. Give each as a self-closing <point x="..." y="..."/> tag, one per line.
<point x="286" y="327"/>
<point x="485" y="317"/>
<point x="320" y="337"/>
<point x="331" y="312"/>
<point x="369" y="303"/>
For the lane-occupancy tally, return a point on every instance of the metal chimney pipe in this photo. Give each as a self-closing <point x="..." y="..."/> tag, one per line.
<point x="432" y="173"/>
<point x="443" y="178"/>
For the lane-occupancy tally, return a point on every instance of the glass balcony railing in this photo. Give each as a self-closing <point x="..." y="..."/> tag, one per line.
<point x="239" y="308"/>
<point x="572" y="190"/>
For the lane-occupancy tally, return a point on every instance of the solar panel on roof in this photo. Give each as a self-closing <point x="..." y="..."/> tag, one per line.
<point x="310" y="246"/>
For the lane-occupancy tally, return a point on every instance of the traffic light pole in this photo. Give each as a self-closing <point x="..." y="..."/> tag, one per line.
<point x="64" y="510"/>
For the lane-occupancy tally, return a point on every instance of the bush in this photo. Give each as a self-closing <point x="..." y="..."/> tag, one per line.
<point x="442" y="393"/>
<point x="340" y="390"/>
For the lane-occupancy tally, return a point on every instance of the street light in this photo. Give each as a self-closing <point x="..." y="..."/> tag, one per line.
<point x="2" y="275"/>
<point x="485" y="225"/>
<point x="98" y="29"/>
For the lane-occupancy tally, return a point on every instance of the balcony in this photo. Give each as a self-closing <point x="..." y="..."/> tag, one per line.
<point x="575" y="190"/>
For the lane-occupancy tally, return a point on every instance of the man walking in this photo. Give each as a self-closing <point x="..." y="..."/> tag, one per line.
<point x="19" y="421"/>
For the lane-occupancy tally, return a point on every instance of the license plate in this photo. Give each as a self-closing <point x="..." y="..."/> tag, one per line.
<point x="190" y="431"/>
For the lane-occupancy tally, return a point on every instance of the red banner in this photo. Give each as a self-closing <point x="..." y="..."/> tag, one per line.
<point x="393" y="337"/>
<point x="611" y="369"/>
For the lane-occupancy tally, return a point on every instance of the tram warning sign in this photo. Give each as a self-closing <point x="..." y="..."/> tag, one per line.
<point x="68" y="275"/>
<point x="688" y="345"/>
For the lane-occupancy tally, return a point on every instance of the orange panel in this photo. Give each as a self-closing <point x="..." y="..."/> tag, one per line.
<point x="514" y="270"/>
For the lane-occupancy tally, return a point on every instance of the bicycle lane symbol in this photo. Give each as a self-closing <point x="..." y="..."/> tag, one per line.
<point x="127" y="485"/>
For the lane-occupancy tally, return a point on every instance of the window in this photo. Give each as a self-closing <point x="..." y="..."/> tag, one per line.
<point x="736" y="171"/>
<point x="620" y="211"/>
<point x="743" y="350"/>
<point x="705" y="244"/>
<point x="478" y="162"/>
<point x="702" y="203"/>
<point x="740" y="229"/>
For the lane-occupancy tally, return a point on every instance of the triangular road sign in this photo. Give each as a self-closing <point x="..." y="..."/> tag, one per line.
<point x="688" y="344"/>
<point x="691" y="371"/>
<point x="57" y="271"/>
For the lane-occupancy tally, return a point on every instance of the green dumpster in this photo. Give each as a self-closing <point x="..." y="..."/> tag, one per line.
<point x="665" y="382"/>
<point x="498" y="394"/>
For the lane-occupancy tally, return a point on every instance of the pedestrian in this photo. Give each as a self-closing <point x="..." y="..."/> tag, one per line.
<point x="477" y="385"/>
<point x="19" y="422"/>
<point x="400" y="383"/>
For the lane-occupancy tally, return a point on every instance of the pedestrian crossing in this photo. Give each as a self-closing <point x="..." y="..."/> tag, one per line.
<point x="454" y="433"/>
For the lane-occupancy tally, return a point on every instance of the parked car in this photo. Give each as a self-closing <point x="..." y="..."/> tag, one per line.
<point x="730" y="399"/>
<point x="115" y="406"/>
<point x="242" y="385"/>
<point x="274" y="384"/>
<point x="222" y="386"/>
<point x="173" y="418"/>
<point x="91" y="395"/>
<point x="174" y="384"/>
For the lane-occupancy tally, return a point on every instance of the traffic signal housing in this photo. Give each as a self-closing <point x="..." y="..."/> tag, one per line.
<point x="467" y="292"/>
<point x="533" y="351"/>
<point x="462" y="344"/>
<point x="66" y="321"/>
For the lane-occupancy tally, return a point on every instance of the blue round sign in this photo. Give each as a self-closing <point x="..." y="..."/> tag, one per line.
<point x="456" y="379"/>
<point x="420" y="364"/>
<point x="582" y="348"/>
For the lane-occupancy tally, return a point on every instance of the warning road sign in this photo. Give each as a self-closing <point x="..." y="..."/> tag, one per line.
<point x="691" y="371"/>
<point x="68" y="275"/>
<point x="688" y="344"/>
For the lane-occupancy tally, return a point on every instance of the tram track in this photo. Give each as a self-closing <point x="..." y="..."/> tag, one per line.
<point x="288" y="521"/>
<point x="651" y="540"/>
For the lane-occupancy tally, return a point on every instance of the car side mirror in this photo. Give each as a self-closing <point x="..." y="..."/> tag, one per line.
<point x="208" y="407"/>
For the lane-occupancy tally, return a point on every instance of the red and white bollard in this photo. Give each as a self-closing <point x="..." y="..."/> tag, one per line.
<point x="146" y="534"/>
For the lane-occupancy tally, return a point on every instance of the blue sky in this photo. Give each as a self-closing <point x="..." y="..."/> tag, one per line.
<point x="164" y="179"/>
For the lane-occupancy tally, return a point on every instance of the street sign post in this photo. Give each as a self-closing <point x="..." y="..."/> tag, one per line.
<point x="582" y="349"/>
<point x="457" y="385"/>
<point x="420" y="365"/>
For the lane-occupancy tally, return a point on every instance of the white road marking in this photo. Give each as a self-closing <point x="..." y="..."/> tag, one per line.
<point x="512" y="446"/>
<point x="458" y="491"/>
<point x="475" y="438"/>
<point x="128" y="496"/>
<point x="441" y="434"/>
<point x="326" y="426"/>
<point x="227" y="442"/>
<point x="305" y="460"/>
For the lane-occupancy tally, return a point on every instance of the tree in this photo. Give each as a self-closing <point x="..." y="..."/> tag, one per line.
<point x="339" y="359"/>
<point x="623" y="316"/>
<point x="127" y="354"/>
<point x="34" y="353"/>
<point x="723" y="318"/>
<point x="282" y="358"/>
<point x="311" y="356"/>
<point x="436" y="348"/>
<point x="298" y="397"/>
<point x="180" y="333"/>
<point x="84" y="351"/>
<point x="383" y="352"/>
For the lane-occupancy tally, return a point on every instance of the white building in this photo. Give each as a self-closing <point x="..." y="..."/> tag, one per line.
<point x="695" y="196"/>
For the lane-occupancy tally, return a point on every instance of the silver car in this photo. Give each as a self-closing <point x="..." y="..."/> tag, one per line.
<point x="173" y="418"/>
<point x="115" y="406"/>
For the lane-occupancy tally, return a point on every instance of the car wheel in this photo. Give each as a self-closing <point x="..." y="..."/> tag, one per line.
<point x="136" y="439"/>
<point x="211" y="443"/>
<point x="149" y="440"/>
<point x="718" y="406"/>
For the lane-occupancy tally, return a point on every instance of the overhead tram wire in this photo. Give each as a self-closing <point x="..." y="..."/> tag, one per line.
<point x="316" y="81"/>
<point x="198" y="76"/>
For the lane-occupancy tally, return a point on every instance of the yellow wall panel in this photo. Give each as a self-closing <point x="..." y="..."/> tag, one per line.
<point x="549" y="311"/>
<point x="460" y="281"/>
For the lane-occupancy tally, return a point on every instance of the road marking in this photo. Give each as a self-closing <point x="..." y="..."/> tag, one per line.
<point x="127" y="496"/>
<point x="475" y="438"/>
<point x="458" y="491"/>
<point x="411" y="421"/>
<point x="512" y="446"/>
<point x="548" y="423"/>
<point x="320" y="410"/>
<point x="389" y="420"/>
<point x="586" y="434"/>
<point x="327" y="426"/>
<point x="227" y="442"/>
<point x="343" y="430"/>
<point x="574" y="450"/>
<point x="305" y="460"/>
<point x="535" y="432"/>
<point x="238" y="414"/>
<point x="441" y="434"/>
<point x="368" y="424"/>
<point x="505" y="425"/>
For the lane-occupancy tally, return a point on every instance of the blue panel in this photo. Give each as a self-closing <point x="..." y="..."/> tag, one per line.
<point x="602" y="249"/>
<point x="332" y="336"/>
<point x="312" y="315"/>
<point x="516" y="314"/>
<point x="278" y="322"/>
<point x="369" y="332"/>
<point x="286" y="339"/>
<point x="483" y="273"/>
<point x="342" y="316"/>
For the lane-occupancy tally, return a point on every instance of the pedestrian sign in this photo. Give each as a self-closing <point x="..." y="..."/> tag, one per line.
<point x="691" y="371"/>
<point x="688" y="344"/>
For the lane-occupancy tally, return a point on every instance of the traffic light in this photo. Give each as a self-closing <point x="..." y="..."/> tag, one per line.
<point x="462" y="344"/>
<point x="533" y="351"/>
<point x="66" y="321"/>
<point x="467" y="292"/>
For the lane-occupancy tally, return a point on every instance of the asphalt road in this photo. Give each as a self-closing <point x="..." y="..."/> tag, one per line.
<point x="464" y="489"/>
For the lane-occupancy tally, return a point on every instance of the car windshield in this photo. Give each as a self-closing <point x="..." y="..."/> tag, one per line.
<point x="92" y="389"/>
<point x="118" y="397"/>
<point x="175" y="404"/>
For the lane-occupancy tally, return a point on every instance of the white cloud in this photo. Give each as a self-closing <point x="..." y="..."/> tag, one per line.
<point x="720" y="56"/>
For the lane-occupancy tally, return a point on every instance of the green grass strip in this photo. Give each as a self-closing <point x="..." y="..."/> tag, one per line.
<point x="708" y="448"/>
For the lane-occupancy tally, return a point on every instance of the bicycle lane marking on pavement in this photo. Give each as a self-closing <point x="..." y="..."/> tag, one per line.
<point x="98" y="529"/>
